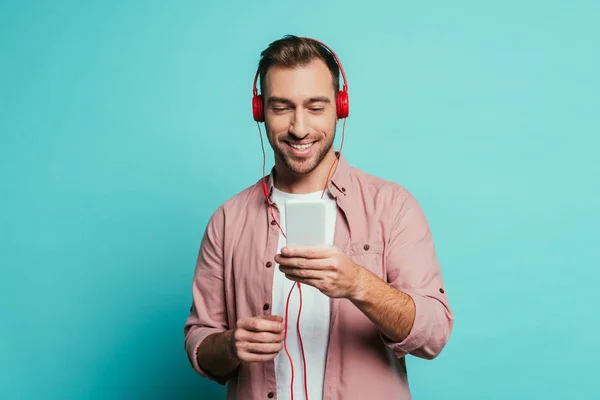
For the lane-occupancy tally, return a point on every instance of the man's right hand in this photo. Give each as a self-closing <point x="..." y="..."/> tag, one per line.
<point x="258" y="338"/>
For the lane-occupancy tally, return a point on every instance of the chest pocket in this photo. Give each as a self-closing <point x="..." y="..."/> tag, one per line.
<point x="369" y="255"/>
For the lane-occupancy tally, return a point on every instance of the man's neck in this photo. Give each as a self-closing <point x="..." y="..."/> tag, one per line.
<point x="315" y="181"/>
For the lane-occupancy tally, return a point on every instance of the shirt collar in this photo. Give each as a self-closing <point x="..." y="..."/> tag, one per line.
<point x="339" y="181"/>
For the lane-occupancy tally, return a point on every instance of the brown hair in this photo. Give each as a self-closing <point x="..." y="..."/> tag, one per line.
<point x="291" y="51"/>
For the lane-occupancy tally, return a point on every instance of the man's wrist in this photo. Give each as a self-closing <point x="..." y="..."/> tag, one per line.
<point x="216" y="354"/>
<point x="229" y="337"/>
<point x="359" y="292"/>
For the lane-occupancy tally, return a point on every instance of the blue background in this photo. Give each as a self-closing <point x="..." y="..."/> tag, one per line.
<point x="125" y="124"/>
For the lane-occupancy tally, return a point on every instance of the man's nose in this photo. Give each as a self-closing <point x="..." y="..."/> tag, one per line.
<point x="299" y="126"/>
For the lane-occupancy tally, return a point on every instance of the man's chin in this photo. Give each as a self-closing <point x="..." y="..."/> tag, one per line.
<point x="300" y="166"/>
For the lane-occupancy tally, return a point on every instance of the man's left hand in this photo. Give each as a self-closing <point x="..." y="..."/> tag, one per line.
<point x="326" y="268"/>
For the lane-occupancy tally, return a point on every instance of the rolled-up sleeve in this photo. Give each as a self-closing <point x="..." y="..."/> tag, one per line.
<point x="208" y="312"/>
<point x="412" y="267"/>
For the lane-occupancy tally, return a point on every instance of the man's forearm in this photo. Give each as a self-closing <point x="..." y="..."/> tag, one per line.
<point x="215" y="354"/>
<point x="391" y="310"/>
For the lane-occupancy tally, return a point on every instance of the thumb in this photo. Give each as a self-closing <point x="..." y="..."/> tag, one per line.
<point x="272" y="318"/>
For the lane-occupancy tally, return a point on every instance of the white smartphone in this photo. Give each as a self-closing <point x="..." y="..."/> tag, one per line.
<point x="305" y="222"/>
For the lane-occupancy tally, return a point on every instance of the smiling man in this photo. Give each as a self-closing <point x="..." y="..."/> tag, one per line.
<point x="370" y="296"/>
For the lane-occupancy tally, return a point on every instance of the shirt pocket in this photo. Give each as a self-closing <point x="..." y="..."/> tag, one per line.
<point x="368" y="255"/>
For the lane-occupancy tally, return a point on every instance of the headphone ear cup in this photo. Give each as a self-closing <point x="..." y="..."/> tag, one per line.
<point x="257" y="108"/>
<point x="343" y="105"/>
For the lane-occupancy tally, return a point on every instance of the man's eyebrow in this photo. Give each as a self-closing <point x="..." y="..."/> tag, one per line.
<point x="283" y="100"/>
<point x="275" y="99"/>
<point x="319" y="99"/>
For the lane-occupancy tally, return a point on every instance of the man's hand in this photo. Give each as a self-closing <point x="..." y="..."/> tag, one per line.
<point x="326" y="268"/>
<point x="258" y="338"/>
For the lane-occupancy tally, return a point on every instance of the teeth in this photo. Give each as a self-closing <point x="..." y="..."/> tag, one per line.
<point x="301" y="146"/>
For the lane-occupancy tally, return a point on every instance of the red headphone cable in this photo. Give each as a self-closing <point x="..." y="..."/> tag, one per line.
<point x="287" y="303"/>
<point x="342" y="110"/>
<point x="266" y="193"/>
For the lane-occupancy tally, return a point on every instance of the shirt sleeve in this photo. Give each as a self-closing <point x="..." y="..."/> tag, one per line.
<point x="413" y="268"/>
<point x="208" y="312"/>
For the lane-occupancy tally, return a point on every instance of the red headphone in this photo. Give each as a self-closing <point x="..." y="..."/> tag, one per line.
<point x="343" y="106"/>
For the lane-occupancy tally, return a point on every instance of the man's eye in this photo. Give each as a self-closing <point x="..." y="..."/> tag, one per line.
<point x="316" y="109"/>
<point x="279" y="109"/>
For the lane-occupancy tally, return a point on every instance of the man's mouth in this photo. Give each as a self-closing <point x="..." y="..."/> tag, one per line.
<point x="301" y="149"/>
<point x="301" y="146"/>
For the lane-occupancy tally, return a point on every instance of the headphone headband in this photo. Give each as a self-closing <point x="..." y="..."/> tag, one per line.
<point x="342" y="100"/>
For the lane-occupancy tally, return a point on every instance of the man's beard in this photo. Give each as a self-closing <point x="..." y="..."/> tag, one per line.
<point x="307" y="165"/>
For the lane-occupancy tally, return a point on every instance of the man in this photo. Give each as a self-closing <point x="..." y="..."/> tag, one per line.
<point x="370" y="296"/>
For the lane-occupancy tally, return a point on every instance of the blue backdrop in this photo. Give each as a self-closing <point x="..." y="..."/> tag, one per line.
<point x="125" y="124"/>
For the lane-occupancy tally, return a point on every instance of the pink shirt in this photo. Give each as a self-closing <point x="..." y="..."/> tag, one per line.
<point x="381" y="227"/>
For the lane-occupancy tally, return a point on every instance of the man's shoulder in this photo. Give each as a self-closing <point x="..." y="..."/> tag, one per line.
<point x="377" y="185"/>
<point x="382" y="196"/>
<point x="242" y="200"/>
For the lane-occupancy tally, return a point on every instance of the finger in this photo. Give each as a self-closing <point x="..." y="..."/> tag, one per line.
<point x="308" y="263"/>
<point x="307" y="252"/>
<point x="263" y="348"/>
<point x="243" y="335"/>
<point x="269" y="317"/>
<point x="260" y="324"/>
<point x="303" y="273"/>
<point x="305" y="281"/>
<point x="247" y="357"/>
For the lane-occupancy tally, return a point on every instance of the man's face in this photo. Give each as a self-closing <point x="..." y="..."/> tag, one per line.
<point x="300" y="114"/>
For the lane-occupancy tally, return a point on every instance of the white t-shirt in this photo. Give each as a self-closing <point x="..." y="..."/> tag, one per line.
<point x="314" y="318"/>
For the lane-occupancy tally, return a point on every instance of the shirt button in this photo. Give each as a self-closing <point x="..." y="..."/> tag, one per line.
<point x="343" y="189"/>
<point x="366" y="247"/>
<point x="441" y="290"/>
<point x="270" y="395"/>
<point x="266" y="307"/>
<point x="269" y="264"/>
<point x="273" y="222"/>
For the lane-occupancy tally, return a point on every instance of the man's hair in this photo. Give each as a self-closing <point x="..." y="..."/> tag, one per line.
<point x="293" y="51"/>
